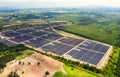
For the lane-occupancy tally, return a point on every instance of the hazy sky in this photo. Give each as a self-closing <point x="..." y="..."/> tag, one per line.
<point x="58" y="3"/>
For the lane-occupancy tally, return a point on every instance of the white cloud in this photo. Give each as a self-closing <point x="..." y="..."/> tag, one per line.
<point x="63" y="2"/>
<point x="14" y="1"/>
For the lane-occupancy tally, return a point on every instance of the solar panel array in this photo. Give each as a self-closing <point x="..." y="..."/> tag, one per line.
<point x="85" y="55"/>
<point x="43" y="37"/>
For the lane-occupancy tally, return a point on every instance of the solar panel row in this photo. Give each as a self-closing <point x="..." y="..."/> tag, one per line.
<point x="37" y="33"/>
<point x="57" y="48"/>
<point x="52" y="37"/>
<point x="86" y="56"/>
<point x="94" y="46"/>
<point x="11" y="34"/>
<point x="25" y="30"/>
<point x="37" y="42"/>
<point x="71" y="41"/>
<point x="21" y="38"/>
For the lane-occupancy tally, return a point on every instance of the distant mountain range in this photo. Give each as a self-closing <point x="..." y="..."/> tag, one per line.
<point x="7" y="8"/>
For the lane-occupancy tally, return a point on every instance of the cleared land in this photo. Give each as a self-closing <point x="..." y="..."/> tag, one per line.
<point x="33" y="69"/>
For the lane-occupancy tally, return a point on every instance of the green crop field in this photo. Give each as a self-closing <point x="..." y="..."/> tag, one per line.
<point x="73" y="72"/>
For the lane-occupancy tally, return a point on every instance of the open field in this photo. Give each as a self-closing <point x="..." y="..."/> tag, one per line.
<point x="73" y="72"/>
<point x="31" y="68"/>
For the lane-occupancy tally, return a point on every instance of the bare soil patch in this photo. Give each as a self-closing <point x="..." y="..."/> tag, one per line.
<point x="33" y="66"/>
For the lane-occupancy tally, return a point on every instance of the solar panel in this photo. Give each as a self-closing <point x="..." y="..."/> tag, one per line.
<point x="37" y="33"/>
<point x="73" y="52"/>
<point x="37" y="42"/>
<point x="96" y="58"/>
<point x="25" y="30"/>
<point x="97" y="47"/>
<point x="57" y="48"/>
<point x="52" y="36"/>
<point x="10" y="34"/>
<point x="21" y="38"/>
<point x="103" y="49"/>
<point x="71" y="41"/>
<point x="87" y="56"/>
<point x="80" y="53"/>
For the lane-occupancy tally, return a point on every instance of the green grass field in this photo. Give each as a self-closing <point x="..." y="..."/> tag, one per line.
<point x="73" y="72"/>
<point x="24" y="54"/>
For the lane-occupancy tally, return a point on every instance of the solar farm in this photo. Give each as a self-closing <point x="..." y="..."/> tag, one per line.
<point x="46" y="39"/>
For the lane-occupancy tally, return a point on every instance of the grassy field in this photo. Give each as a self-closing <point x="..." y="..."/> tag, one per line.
<point x="73" y="72"/>
<point x="24" y="54"/>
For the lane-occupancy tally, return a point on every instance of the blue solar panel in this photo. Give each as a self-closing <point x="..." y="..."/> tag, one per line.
<point x="21" y="38"/>
<point x="71" y="41"/>
<point x="103" y="49"/>
<point x="25" y="30"/>
<point x="57" y="48"/>
<point x="97" y="47"/>
<point x="37" y="33"/>
<point x="87" y="56"/>
<point x="96" y="58"/>
<point x="52" y="36"/>
<point x="37" y="42"/>
<point x="10" y="34"/>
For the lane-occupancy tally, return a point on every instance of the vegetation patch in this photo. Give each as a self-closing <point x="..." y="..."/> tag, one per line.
<point x="9" y="53"/>
<point x="60" y="74"/>
<point x="110" y="69"/>
<point x="24" y="54"/>
<point x="73" y="72"/>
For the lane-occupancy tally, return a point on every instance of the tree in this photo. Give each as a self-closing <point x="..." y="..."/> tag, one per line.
<point x="19" y="62"/>
<point x="23" y="63"/>
<point x="38" y="63"/>
<point x="13" y="74"/>
<point x="46" y="73"/>
<point x="22" y="72"/>
<point x="29" y="63"/>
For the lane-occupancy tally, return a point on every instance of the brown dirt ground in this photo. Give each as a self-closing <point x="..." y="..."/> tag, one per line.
<point x="34" y="70"/>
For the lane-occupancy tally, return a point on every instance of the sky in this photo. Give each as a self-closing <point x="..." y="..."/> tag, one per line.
<point x="58" y="3"/>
